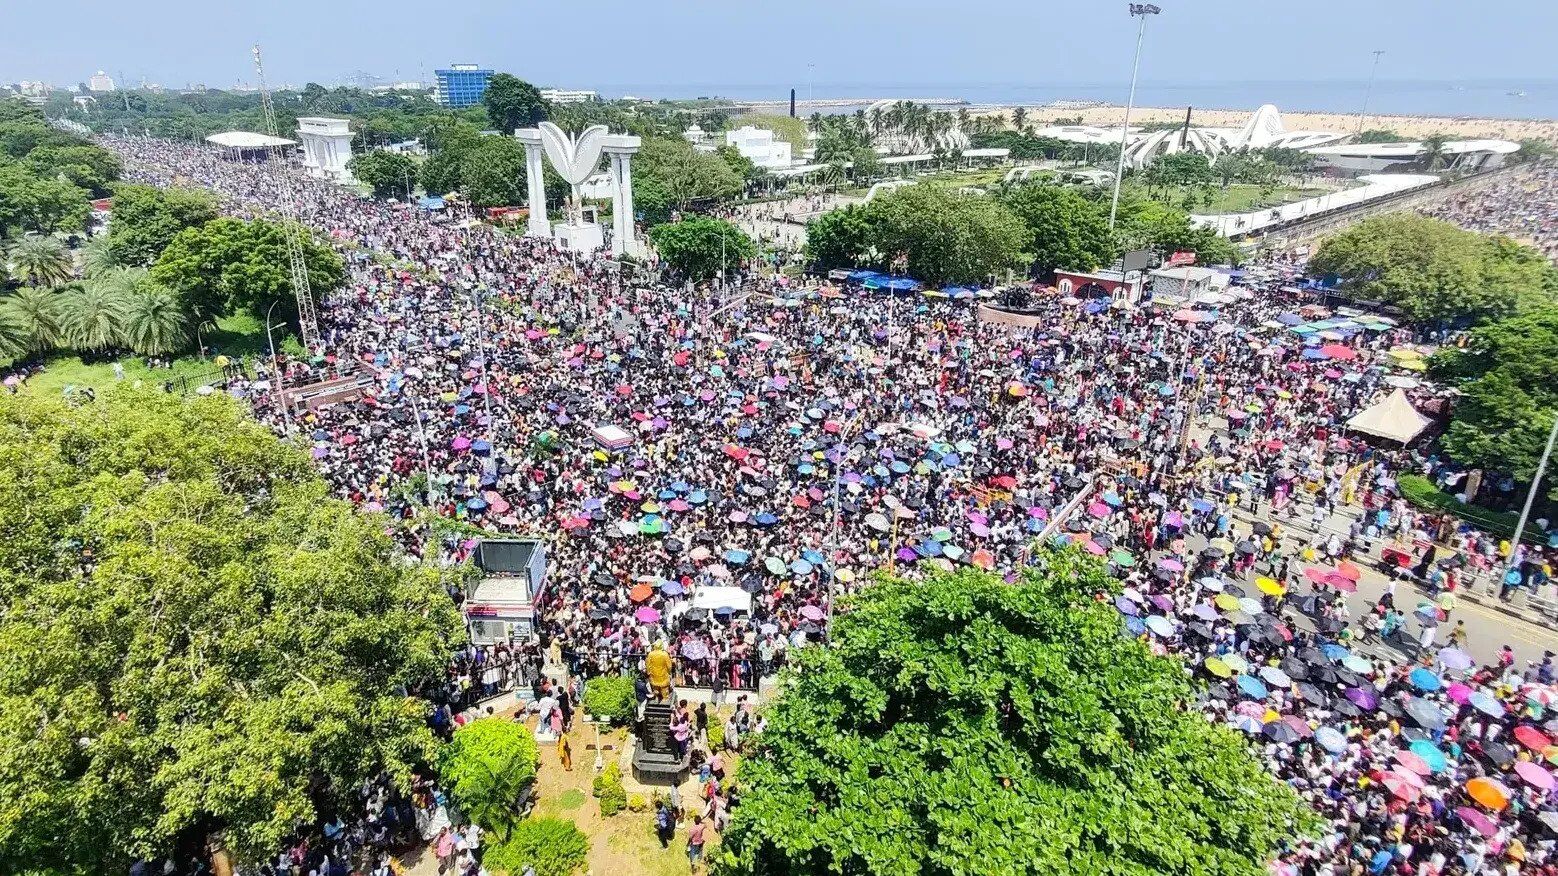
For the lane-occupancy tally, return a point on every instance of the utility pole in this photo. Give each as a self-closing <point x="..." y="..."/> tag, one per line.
<point x="1138" y="10"/>
<point x="1369" y="92"/>
<point x="1525" y="510"/>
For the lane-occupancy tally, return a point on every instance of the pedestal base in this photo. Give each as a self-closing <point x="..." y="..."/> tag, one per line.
<point x="580" y="238"/>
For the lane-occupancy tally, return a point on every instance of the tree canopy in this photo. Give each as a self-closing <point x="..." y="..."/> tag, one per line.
<point x="700" y="247"/>
<point x="669" y="175"/>
<point x="967" y="726"/>
<point x="1508" y="376"/>
<point x="47" y="175"/>
<point x="389" y="174"/>
<point x="1068" y="230"/>
<point x="227" y="265"/>
<point x="197" y="637"/>
<point x="1433" y="270"/>
<point x="146" y="219"/>
<point x="512" y="103"/>
<point x="488" y="767"/>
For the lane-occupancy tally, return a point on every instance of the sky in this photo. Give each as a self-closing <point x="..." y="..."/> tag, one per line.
<point x="695" y="47"/>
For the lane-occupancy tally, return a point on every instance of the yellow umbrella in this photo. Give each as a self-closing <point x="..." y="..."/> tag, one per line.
<point x="1412" y="364"/>
<point x="1405" y="353"/>
<point x="1269" y="586"/>
<point x="1223" y="543"/>
<point x="1217" y="667"/>
<point x="844" y="575"/>
<point x="1226" y="602"/>
<point x="1271" y="715"/>
<point x="1282" y="393"/>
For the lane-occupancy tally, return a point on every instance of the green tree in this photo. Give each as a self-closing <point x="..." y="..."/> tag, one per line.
<point x="228" y="265"/>
<point x="154" y="324"/>
<point x="553" y="846"/>
<point x="1066" y="229"/>
<point x="389" y="174"/>
<point x="91" y="316"/>
<point x="1380" y="135"/>
<point x="1435" y="152"/>
<point x="1433" y="270"/>
<point x="87" y="166"/>
<point x="1166" y="229"/>
<point x="512" y="103"/>
<point x="700" y="247"/>
<point x="45" y="206"/>
<point x="145" y="219"/>
<point x="41" y="261"/>
<point x="35" y="313"/>
<point x="679" y="178"/>
<point x="488" y="767"/>
<point x="1508" y="377"/>
<point x="493" y="174"/>
<point x="947" y="237"/>
<point x="840" y="238"/>
<point x="97" y="257"/>
<point x="14" y="340"/>
<point x="252" y="638"/>
<point x="964" y="725"/>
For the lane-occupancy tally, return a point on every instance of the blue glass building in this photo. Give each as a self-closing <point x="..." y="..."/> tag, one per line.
<point x="461" y="85"/>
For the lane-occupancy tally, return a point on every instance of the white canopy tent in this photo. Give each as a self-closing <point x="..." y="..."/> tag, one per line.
<point x="714" y="598"/>
<point x="1393" y="418"/>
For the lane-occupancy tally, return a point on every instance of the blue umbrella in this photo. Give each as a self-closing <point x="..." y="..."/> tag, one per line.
<point x="1248" y="724"/>
<point x="1160" y="625"/>
<point x="1252" y="687"/>
<point x="1126" y="607"/>
<point x="812" y="556"/>
<point x="667" y="495"/>
<point x="951" y="460"/>
<point x="1331" y="740"/>
<point x="476" y="504"/>
<point x="1430" y="754"/>
<point x="737" y="557"/>
<point x="1134" y="626"/>
<point x="672" y="588"/>
<point x="1380" y="861"/>
<point x="680" y="486"/>
<point x="928" y="548"/>
<point x="1484" y="702"/>
<point x="765" y="519"/>
<point x="806" y="468"/>
<point x="800" y="567"/>
<point x="698" y="497"/>
<point x="900" y="467"/>
<point x="1112" y="498"/>
<point x="1335" y="652"/>
<point x="1201" y="505"/>
<point x="480" y="446"/>
<point x="1424" y="680"/>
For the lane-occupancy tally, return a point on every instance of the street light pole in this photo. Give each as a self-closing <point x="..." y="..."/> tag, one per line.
<point x="427" y="465"/>
<point x="1525" y="510"/>
<point x="1369" y="92"/>
<point x="281" y="399"/>
<point x="1138" y="10"/>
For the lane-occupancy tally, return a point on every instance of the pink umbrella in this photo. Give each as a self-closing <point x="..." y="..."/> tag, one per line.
<point x="646" y="615"/>
<point x="1412" y="762"/>
<point x="678" y="505"/>
<point x="1095" y="548"/>
<point x="1402" y="786"/>
<point x="811" y="612"/>
<point x="1458" y="692"/>
<point x="1003" y="444"/>
<point x="1477" y="821"/>
<point x="1338" y="351"/>
<point x="1170" y="564"/>
<point x="534" y="334"/>
<point x="460" y="442"/>
<point x="1098" y="509"/>
<point x="1534" y="775"/>
<point x="496" y="502"/>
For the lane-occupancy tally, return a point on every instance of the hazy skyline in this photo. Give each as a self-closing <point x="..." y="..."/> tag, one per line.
<point x="694" y="47"/>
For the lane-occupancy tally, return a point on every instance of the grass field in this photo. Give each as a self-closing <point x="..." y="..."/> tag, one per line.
<point x="1241" y="198"/>
<point x="240" y="336"/>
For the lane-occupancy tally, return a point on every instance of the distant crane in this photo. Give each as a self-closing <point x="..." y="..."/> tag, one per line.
<point x="292" y="228"/>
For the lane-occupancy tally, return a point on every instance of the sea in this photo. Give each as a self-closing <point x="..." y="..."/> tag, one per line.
<point x="1486" y="98"/>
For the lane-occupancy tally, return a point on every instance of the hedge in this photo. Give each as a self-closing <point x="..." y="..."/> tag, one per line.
<point x="1421" y="492"/>
<point x="554" y="846"/>
<point x="611" y="698"/>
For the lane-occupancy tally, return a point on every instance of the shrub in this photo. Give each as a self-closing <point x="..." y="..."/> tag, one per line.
<point x="637" y="803"/>
<point x="611" y="698"/>
<point x="1421" y="492"/>
<point x="488" y="767"/>
<point x="608" y="787"/>
<point x="716" y="733"/>
<point x="554" y="846"/>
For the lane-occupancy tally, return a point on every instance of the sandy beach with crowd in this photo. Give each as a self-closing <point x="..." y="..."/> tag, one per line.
<point x="1456" y="128"/>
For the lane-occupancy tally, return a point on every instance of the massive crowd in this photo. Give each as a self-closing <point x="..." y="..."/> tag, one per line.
<point x="1523" y="206"/>
<point x="783" y="442"/>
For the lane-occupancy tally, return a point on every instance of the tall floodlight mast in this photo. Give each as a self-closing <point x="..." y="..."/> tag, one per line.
<point x="292" y="228"/>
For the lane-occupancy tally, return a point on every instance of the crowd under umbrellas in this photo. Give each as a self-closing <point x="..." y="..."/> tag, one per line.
<point x="787" y="442"/>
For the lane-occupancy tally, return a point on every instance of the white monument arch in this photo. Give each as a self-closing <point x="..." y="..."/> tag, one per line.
<point x="575" y="158"/>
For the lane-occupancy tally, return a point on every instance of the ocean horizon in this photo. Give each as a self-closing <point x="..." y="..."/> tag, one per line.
<point x="1487" y="98"/>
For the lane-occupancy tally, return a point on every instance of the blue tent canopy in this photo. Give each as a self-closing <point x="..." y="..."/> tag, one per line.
<point x="863" y="275"/>
<point x="431" y="203"/>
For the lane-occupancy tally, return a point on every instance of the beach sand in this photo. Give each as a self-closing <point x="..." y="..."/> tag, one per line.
<point x="1457" y="128"/>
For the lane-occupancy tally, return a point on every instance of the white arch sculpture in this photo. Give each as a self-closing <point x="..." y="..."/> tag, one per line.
<point x="575" y="158"/>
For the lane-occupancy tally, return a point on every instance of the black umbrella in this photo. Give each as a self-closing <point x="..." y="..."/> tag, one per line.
<point x="1215" y="553"/>
<point x="604" y="579"/>
<point x="1425" y="713"/>
<point x="599" y="614"/>
<point x="1201" y="630"/>
<point x="1163" y="575"/>
<point x="696" y="614"/>
<point x="1261" y="527"/>
<point x="1234" y="590"/>
<point x="1129" y="444"/>
<point x="1104" y="540"/>
<point x="1345" y="677"/>
<point x="1296" y="670"/>
<point x="1326" y="675"/>
<point x="1312" y="694"/>
<point x="1313" y="656"/>
<point x="704" y="537"/>
<point x="1498" y="753"/>
<point x="1127" y="480"/>
<point x="1392" y="708"/>
<point x="672" y="546"/>
<point x="1245" y="547"/>
<point x="809" y="628"/>
<point x="1346" y="707"/>
<point x="1072" y="483"/>
<point x="1279" y="731"/>
<point x="1413" y="734"/>
<point x="752" y="584"/>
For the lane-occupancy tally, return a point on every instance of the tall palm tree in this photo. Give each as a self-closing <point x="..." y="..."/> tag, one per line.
<point x="1020" y="117"/>
<point x="1434" y="151"/>
<point x="13" y="335"/>
<point x="92" y="317"/>
<point x="97" y="257"/>
<point x="37" y="312"/>
<point x="154" y="324"/>
<point x="41" y="261"/>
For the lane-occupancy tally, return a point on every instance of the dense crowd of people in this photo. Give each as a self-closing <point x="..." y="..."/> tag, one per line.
<point x="1523" y="206"/>
<point x="771" y="446"/>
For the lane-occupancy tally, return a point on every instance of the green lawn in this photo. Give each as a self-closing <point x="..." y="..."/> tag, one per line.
<point x="240" y="336"/>
<point x="1241" y="198"/>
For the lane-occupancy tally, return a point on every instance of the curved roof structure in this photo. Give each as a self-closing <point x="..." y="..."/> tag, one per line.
<point x="1264" y="129"/>
<point x="1205" y="141"/>
<point x="247" y="140"/>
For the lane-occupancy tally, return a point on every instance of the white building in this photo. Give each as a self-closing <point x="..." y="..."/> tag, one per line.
<point x="327" y="146"/>
<point x="695" y="135"/>
<point x="1187" y="281"/>
<point x="100" y="82"/>
<point x="1375" y="157"/>
<point x="761" y="147"/>
<point x="563" y="95"/>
